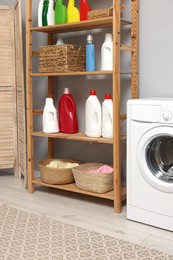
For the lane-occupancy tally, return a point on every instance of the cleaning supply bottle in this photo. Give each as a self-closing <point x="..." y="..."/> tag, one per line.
<point x="60" y="41"/>
<point x="68" y="122"/>
<point x="107" y="117"/>
<point x="60" y="12"/>
<point x="40" y="10"/>
<point x="90" y="54"/>
<point x="84" y="9"/>
<point x="50" y="122"/>
<point x="93" y="115"/>
<point x="51" y="13"/>
<point x="44" y="13"/>
<point x="107" y="53"/>
<point x="73" y="14"/>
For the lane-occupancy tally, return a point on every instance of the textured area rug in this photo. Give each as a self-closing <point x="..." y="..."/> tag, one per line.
<point x="28" y="236"/>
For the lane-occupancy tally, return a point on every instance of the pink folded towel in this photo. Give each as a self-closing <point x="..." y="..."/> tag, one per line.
<point x="104" y="168"/>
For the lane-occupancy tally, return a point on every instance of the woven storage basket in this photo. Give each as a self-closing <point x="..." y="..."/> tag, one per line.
<point x="61" y="58"/>
<point x="94" y="182"/>
<point x="106" y="12"/>
<point x="56" y="175"/>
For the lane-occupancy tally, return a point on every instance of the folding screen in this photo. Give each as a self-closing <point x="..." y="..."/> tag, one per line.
<point x="12" y="100"/>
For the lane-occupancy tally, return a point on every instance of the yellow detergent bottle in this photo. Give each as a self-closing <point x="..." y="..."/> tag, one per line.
<point x="73" y="14"/>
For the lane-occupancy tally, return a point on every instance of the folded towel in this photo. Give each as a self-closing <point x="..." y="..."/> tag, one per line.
<point x="104" y="168"/>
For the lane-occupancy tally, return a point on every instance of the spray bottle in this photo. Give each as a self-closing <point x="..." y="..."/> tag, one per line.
<point x="84" y="9"/>
<point x="60" y="12"/>
<point x="40" y="10"/>
<point x="73" y="14"/>
<point x="44" y="13"/>
<point x="51" y="13"/>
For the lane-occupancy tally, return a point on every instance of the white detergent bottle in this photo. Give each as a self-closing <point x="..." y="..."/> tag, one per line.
<point x="51" y="13"/>
<point x="40" y="11"/>
<point x="107" y="53"/>
<point x="107" y="117"/>
<point x="50" y="122"/>
<point x="93" y="115"/>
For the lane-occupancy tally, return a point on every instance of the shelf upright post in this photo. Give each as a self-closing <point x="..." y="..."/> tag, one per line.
<point x="29" y="101"/>
<point x="134" y="55"/>
<point x="116" y="106"/>
<point x="50" y="94"/>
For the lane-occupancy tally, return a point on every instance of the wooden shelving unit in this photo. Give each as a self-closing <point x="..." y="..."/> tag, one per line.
<point x="119" y="193"/>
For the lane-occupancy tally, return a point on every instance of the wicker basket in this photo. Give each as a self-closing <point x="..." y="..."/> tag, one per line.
<point x="56" y="175"/>
<point x="106" y="12"/>
<point x="61" y="58"/>
<point x="94" y="182"/>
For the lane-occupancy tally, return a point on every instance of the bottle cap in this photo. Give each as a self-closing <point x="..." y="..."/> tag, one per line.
<point x="66" y="91"/>
<point x="89" y="38"/>
<point x="92" y="92"/>
<point x="59" y="41"/>
<point x="108" y="96"/>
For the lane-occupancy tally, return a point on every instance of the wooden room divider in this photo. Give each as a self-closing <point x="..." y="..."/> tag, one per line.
<point x="12" y="94"/>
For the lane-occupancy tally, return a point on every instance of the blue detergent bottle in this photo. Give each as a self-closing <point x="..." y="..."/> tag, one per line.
<point x="90" y="54"/>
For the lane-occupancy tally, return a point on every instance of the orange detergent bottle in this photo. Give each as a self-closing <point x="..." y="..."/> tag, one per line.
<point x="73" y="14"/>
<point x="84" y="9"/>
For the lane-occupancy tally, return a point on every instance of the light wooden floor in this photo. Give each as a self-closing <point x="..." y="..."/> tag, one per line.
<point x="84" y="211"/>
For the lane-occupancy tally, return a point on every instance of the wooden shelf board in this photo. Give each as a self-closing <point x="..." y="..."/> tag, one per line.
<point x="77" y="73"/>
<point x="79" y="26"/>
<point x="80" y="136"/>
<point x="72" y="187"/>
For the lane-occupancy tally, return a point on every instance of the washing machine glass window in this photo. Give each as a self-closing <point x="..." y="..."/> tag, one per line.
<point x="159" y="157"/>
<point x="154" y="157"/>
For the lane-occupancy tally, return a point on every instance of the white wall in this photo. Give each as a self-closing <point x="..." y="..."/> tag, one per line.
<point x="155" y="69"/>
<point x="155" y="48"/>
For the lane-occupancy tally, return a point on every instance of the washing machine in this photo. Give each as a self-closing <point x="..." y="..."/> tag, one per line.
<point x="150" y="162"/>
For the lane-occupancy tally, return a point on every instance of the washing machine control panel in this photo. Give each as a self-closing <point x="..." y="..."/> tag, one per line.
<point x="167" y="114"/>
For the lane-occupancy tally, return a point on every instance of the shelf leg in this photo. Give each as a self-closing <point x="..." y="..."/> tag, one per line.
<point x="134" y="57"/>
<point x="116" y="106"/>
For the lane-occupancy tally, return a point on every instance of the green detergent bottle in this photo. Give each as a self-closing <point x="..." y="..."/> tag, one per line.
<point x="60" y="12"/>
<point x="44" y="13"/>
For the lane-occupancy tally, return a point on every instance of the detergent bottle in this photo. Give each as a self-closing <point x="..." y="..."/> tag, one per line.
<point x="40" y="10"/>
<point x="50" y="122"/>
<point x="84" y="9"/>
<point x="51" y="13"/>
<point x="107" y="117"/>
<point x="73" y="14"/>
<point x="93" y="115"/>
<point x="44" y="13"/>
<point x="107" y="53"/>
<point x="60" y="12"/>
<point x="68" y="122"/>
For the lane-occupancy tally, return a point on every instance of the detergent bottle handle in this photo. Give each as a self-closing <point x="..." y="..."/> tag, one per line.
<point x="70" y="105"/>
<point x="51" y="116"/>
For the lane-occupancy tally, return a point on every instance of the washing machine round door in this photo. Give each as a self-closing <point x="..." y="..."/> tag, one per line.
<point x="155" y="157"/>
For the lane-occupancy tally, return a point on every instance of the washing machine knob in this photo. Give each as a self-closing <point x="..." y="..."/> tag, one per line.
<point x="167" y="115"/>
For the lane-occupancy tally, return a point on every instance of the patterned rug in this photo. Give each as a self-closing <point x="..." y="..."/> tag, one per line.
<point x="28" y="236"/>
